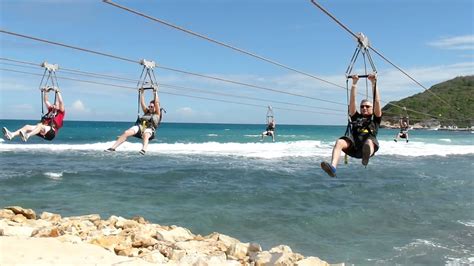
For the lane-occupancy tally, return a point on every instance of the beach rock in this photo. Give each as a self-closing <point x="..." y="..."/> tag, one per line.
<point x="52" y="217"/>
<point x="123" y="224"/>
<point x="238" y="250"/>
<point x="154" y="257"/>
<point x="177" y="254"/>
<point x="143" y="240"/>
<point x="140" y="220"/>
<point x="171" y="245"/>
<point x="46" y="232"/>
<point x="18" y="231"/>
<point x="28" y="213"/>
<point x="107" y="242"/>
<point x="227" y="240"/>
<point x="311" y="261"/>
<point x="38" y="223"/>
<point x="19" y="218"/>
<point x="262" y="258"/>
<point x="174" y="235"/>
<point x="6" y="214"/>
<point x="69" y="239"/>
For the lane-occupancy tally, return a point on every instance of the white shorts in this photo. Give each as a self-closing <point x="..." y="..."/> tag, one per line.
<point x="136" y="129"/>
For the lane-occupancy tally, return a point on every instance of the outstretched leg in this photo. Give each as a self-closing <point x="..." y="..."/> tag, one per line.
<point x="129" y="132"/>
<point x="146" y="137"/>
<point x="367" y="151"/>
<point x="341" y="145"/>
<point x="25" y="129"/>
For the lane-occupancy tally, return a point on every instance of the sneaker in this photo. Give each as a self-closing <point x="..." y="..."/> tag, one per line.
<point x="329" y="169"/>
<point x="407" y="141"/>
<point x="7" y="134"/>
<point x="395" y="140"/>
<point x="142" y="152"/>
<point x="24" y="136"/>
<point x="365" y="154"/>
<point x="110" y="150"/>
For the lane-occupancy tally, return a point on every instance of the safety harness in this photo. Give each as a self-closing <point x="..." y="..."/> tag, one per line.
<point x="361" y="126"/>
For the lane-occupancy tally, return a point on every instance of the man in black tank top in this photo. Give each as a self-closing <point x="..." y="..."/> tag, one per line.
<point x="360" y="140"/>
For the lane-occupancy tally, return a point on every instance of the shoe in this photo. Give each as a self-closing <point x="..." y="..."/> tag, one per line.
<point x="329" y="169"/>
<point x="110" y="150"/>
<point x="365" y="154"/>
<point x="395" y="140"/>
<point x="7" y="134"/>
<point x="142" y="152"/>
<point x="407" y="141"/>
<point x="24" y="136"/>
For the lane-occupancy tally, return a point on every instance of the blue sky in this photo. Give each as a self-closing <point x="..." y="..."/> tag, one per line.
<point x="432" y="40"/>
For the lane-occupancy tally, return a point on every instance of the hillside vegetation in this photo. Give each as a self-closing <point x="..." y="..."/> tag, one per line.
<point x="458" y="93"/>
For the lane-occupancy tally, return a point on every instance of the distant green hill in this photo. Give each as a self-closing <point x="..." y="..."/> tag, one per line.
<point x="458" y="92"/>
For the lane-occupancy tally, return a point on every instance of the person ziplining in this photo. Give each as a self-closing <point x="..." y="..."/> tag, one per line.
<point x="271" y="125"/>
<point x="146" y="125"/>
<point x="404" y="124"/>
<point x="360" y="139"/>
<point x="50" y="122"/>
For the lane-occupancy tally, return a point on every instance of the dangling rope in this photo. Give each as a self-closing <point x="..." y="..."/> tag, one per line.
<point x="50" y="74"/>
<point x="270" y="116"/>
<point x="147" y="80"/>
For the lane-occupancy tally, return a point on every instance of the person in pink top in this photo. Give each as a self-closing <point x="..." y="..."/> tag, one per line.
<point x="49" y="125"/>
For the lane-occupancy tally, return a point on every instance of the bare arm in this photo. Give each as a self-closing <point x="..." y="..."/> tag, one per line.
<point x="156" y="99"/>
<point x="377" y="106"/>
<point x="352" y="101"/>
<point x="60" y="101"/>
<point x="142" y="100"/>
<point x="45" y="98"/>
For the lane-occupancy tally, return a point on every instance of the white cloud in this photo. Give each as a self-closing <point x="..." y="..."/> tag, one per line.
<point x="79" y="107"/>
<point x="186" y="112"/>
<point x="464" y="42"/>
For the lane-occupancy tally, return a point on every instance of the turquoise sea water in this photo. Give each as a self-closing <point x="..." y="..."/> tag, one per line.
<point x="413" y="204"/>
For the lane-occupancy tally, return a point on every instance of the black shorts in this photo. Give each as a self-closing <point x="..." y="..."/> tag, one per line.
<point x="49" y="135"/>
<point x="403" y="135"/>
<point x="269" y="133"/>
<point x="355" y="148"/>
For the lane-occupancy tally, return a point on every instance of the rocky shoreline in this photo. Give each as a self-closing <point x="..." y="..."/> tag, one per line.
<point x="139" y="241"/>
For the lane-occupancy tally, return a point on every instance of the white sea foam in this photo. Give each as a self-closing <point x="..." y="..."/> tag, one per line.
<point x="307" y="148"/>
<point x="212" y="135"/>
<point x="445" y="140"/>
<point x="416" y="149"/>
<point x="467" y="223"/>
<point x="54" y="176"/>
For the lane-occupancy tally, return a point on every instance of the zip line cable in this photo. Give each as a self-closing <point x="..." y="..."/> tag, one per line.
<point x="133" y="80"/>
<point x="373" y="49"/>
<point x="109" y="77"/>
<point x="176" y="94"/>
<point x="221" y="43"/>
<point x="172" y="69"/>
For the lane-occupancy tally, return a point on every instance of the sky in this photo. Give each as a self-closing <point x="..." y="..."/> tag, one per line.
<point x="432" y="40"/>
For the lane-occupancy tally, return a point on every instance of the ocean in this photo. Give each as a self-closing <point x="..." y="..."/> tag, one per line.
<point x="413" y="204"/>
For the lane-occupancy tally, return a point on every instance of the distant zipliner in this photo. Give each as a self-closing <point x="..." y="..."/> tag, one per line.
<point x="404" y="124"/>
<point x="50" y="122"/>
<point x="146" y="125"/>
<point x="360" y="139"/>
<point x="271" y="125"/>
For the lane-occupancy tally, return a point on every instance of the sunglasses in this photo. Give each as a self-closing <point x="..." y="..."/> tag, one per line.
<point x="365" y="106"/>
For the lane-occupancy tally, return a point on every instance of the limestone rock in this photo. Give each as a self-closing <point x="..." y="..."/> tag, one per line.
<point x="52" y="217"/>
<point x="311" y="261"/>
<point x="6" y="214"/>
<point x="28" y="213"/>
<point x="176" y="234"/>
